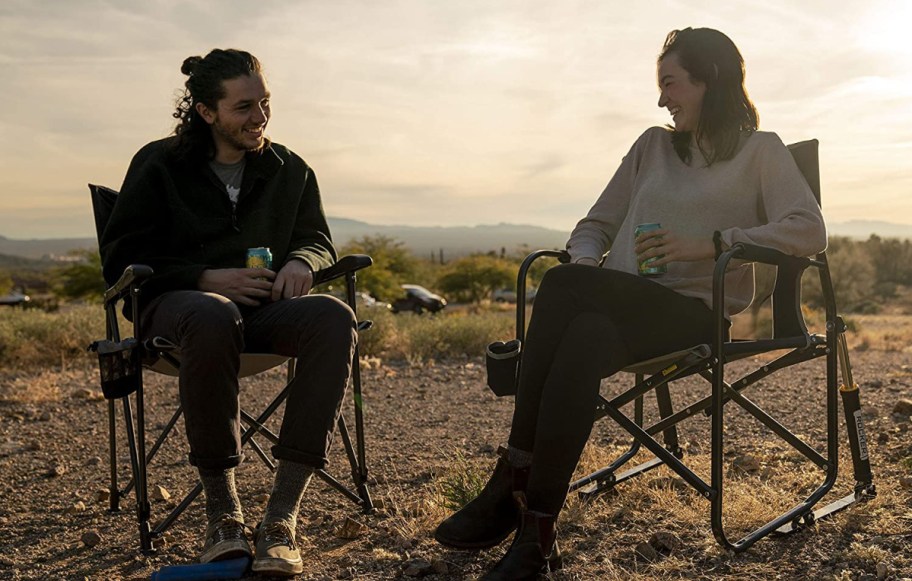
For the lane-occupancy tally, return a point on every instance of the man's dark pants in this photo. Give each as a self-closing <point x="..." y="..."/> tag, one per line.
<point x="212" y="332"/>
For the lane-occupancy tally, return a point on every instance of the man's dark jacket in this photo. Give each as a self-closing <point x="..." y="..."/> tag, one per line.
<point x="175" y="216"/>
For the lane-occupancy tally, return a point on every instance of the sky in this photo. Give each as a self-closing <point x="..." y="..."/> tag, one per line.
<point x="445" y="113"/>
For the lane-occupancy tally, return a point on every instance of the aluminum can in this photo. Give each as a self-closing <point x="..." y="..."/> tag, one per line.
<point x="645" y="268"/>
<point x="259" y="258"/>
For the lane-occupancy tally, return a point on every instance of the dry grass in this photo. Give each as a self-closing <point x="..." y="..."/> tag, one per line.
<point x="34" y="339"/>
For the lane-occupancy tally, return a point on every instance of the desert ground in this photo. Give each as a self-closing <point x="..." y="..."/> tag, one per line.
<point x="433" y="427"/>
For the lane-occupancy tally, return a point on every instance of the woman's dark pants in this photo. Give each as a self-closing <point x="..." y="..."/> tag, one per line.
<point x="588" y="323"/>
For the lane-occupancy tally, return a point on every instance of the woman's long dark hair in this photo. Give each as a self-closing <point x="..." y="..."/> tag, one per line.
<point x="204" y="85"/>
<point x="712" y="58"/>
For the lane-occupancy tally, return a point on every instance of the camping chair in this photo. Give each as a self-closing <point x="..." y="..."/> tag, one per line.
<point x="122" y="362"/>
<point x="789" y="333"/>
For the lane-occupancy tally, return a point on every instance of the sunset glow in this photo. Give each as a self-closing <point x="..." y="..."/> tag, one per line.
<point x="438" y="113"/>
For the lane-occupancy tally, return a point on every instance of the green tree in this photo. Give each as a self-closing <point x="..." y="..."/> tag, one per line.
<point x="853" y="276"/>
<point x="6" y="283"/>
<point x="393" y="265"/>
<point x="473" y="278"/>
<point x="892" y="259"/>
<point x="81" y="279"/>
<point x="536" y="271"/>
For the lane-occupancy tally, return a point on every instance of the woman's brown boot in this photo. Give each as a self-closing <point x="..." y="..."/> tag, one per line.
<point x="534" y="550"/>
<point x="488" y="519"/>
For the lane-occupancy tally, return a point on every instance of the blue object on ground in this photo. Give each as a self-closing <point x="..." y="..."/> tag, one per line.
<point x="228" y="569"/>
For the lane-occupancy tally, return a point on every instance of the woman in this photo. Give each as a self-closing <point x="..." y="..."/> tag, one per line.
<point x="711" y="181"/>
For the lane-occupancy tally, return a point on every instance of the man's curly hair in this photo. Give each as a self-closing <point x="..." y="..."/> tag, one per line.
<point x="204" y="85"/>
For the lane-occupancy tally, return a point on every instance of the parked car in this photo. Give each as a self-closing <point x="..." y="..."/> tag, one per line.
<point x="363" y="300"/>
<point x="15" y="299"/>
<point x="508" y="295"/>
<point x="418" y="299"/>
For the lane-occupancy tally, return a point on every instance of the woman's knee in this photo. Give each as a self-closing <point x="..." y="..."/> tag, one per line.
<point x="559" y="281"/>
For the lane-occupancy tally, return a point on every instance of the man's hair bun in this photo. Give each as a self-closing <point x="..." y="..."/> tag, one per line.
<point x="190" y="63"/>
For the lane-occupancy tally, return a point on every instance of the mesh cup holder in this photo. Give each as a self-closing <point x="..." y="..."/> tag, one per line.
<point x="119" y="365"/>
<point x="502" y="362"/>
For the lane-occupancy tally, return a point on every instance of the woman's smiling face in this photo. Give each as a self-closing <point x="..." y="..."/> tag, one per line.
<point x="679" y="94"/>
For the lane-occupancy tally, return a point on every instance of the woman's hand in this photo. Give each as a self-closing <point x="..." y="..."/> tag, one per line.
<point x="244" y="286"/>
<point x="295" y="279"/>
<point x="669" y="247"/>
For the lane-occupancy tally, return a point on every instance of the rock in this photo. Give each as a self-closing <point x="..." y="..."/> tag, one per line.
<point x="11" y="447"/>
<point x="746" y="464"/>
<point x="77" y="508"/>
<point x="90" y="538"/>
<point x="102" y="495"/>
<point x="45" y="416"/>
<point x="160" y="493"/>
<point x="882" y="570"/>
<point x="87" y="394"/>
<point x="418" y="568"/>
<point x="665" y="542"/>
<point x="57" y="470"/>
<point x="903" y="407"/>
<point x="905" y="482"/>
<point x="93" y="461"/>
<point x="261" y="498"/>
<point x="351" y="529"/>
<point x="645" y="552"/>
<point x="440" y="567"/>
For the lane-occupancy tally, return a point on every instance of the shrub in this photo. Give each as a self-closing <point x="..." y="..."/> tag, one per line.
<point x="33" y="338"/>
<point x="462" y="482"/>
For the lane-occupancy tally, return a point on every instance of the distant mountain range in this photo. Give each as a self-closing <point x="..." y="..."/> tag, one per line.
<point x="452" y="240"/>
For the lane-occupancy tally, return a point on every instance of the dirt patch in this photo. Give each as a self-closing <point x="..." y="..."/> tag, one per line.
<point x="420" y="419"/>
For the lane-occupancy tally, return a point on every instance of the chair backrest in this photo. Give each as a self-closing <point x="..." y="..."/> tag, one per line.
<point x="788" y="321"/>
<point x="103" y="200"/>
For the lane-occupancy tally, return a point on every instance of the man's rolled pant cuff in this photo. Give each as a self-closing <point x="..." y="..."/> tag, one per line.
<point x="216" y="463"/>
<point x="315" y="461"/>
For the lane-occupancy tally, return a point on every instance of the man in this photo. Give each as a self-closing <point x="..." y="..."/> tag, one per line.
<point x="190" y="207"/>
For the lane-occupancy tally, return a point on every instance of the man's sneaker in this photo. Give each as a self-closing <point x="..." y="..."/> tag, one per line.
<point x="226" y="538"/>
<point x="276" y="550"/>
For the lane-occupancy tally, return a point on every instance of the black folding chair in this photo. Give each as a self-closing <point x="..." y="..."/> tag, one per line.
<point x="122" y="361"/>
<point x="789" y="333"/>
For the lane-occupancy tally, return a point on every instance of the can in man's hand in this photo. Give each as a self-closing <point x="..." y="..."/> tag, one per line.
<point x="259" y="258"/>
<point x="644" y="267"/>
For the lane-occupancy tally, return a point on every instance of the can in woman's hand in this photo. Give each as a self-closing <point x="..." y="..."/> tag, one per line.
<point x="644" y="267"/>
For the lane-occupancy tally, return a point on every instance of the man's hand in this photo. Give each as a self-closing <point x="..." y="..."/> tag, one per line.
<point x="295" y="279"/>
<point x="244" y="286"/>
<point x="672" y="248"/>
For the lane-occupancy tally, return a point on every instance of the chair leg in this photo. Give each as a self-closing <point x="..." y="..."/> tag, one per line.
<point x="358" y="470"/>
<point x="666" y="409"/>
<point x="113" y="491"/>
<point x="361" y="479"/>
<point x="135" y="440"/>
<point x="606" y="478"/>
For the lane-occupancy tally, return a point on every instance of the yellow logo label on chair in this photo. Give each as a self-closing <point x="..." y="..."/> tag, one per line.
<point x="669" y="369"/>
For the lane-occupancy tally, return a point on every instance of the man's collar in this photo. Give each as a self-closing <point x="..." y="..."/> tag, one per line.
<point x="264" y="163"/>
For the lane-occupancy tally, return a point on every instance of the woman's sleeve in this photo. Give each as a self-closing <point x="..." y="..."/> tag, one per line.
<point x="594" y="234"/>
<point x="793" y="221"/>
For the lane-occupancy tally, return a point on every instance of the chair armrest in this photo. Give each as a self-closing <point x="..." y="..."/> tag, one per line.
<point x="132" y="276"/>
<point x="345" y="265"/>
<point x="766" y="255"/>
